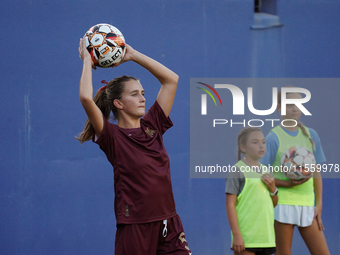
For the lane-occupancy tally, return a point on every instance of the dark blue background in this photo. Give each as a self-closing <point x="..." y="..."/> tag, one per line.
<point x="56" y="196"/>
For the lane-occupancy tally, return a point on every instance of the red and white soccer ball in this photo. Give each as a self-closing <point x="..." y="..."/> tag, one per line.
<point x="106" y="45"/>
<point x="297" y="162"/>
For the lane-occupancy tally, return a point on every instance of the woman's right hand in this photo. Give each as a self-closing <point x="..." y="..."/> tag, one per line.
<point x="238" y="244"/>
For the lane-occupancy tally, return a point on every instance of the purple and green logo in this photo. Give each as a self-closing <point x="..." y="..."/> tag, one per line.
<point x="204" y="97"/>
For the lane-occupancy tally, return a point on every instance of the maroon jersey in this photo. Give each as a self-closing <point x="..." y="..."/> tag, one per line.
<point x="142" y="183"/>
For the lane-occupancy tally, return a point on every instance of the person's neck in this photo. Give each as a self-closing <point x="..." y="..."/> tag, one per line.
<point x="128" y="123"/>
<point x="251" y="162"/>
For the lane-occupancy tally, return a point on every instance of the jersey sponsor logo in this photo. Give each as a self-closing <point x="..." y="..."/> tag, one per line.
<point x="150" y="132"/>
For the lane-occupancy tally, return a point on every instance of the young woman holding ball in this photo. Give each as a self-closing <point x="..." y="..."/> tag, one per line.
<point x="296" y="201"/>
<point x="147" y="222"/>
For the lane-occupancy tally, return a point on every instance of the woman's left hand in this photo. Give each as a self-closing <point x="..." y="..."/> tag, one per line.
<point x="317" y="217"/>
<point x="128" y="55"/>
<point x="269" y="181"/>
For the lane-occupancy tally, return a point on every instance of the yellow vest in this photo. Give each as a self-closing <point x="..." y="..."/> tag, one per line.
<point x="302" y="194"/>
<point x="255" y="212"/>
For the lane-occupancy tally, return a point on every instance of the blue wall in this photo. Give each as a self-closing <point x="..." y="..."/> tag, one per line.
<point x="56" y="196"/>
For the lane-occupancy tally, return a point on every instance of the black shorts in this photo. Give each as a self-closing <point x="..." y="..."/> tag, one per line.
<point x="262" y="251"/>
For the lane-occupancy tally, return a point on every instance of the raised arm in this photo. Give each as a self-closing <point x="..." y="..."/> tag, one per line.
<point x="166" y="77"/>
<point x="86" y="90"/>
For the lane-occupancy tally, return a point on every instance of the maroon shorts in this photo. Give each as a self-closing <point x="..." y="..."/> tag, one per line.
<point x="154" y="238"/>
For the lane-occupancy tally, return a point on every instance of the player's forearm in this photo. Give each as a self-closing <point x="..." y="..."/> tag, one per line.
<point x="85" y="84"/>
<point x="232" y="219"/>
<point x="282" y="183"/>
<point x="317" y="182"/>
<point x="161" y="72"/>
<point x="275" y="199"/>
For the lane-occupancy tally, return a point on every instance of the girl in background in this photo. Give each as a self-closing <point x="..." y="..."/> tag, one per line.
<point x="296" y="201"/>
<point x="251" y="196"/>
<point x="147" y="222"/>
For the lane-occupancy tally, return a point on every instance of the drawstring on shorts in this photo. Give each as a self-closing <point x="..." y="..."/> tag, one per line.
<point x="165" y="230"/>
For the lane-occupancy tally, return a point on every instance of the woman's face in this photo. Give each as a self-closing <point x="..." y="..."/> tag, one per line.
<point x="132" y="101"/>
<point x="292" y="111"/>
<point x="255" y="147"/>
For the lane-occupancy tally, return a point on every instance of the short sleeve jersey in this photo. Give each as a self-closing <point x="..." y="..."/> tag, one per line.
<point x="142" y="182"/>
<point x="234" y="182"/>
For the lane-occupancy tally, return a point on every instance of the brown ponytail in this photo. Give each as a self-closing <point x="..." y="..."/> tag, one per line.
<point x="104" y="100"/>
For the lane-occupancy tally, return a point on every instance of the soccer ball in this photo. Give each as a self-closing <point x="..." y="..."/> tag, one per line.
<point x="297" y="162"/>
<point x="106" y="45"/>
